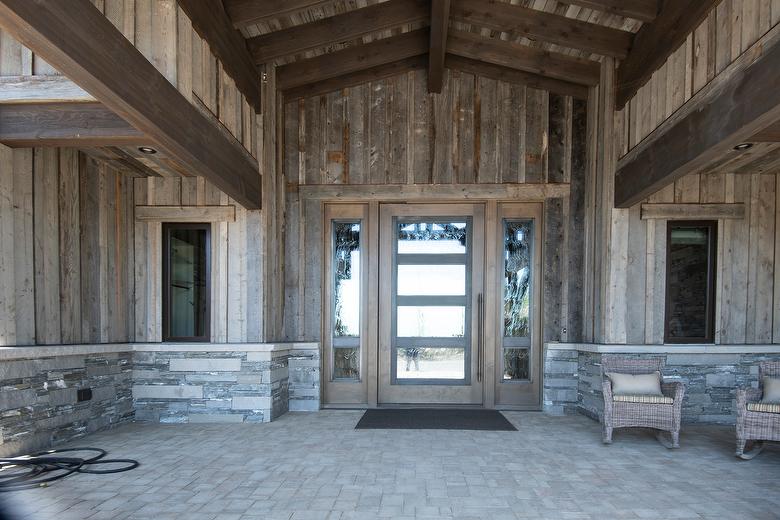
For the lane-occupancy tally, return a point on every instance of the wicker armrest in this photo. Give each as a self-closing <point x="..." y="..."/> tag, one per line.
<point x="606" y="388"/>
<point x="745" y="396"/>
<point x="675" y="390"/>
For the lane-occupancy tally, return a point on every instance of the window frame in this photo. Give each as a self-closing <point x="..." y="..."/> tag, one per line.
<point x="167" y="227"/>
<point x="712" y="226"/>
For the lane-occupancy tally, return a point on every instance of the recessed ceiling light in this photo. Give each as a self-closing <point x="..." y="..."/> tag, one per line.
<point x="147" y="150"/>
<point x="743" y="146"/>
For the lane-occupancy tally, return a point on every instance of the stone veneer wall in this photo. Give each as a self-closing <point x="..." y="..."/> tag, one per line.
<point x="560" y="382"/>
<point x="179" y="383"/>
<point x="710" y="381"/>
<point x="38" y="398"/>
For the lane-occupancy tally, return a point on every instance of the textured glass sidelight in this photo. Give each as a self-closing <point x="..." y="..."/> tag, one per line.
<point x="515" y="364"/>
<point x="432" y="238"/>
<point x="518" y="243"/>
<point x="346" y="363"/>
<point x="346" y="264"/>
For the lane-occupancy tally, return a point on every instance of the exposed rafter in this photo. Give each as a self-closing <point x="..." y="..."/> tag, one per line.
<point x="335" y="29"/>
<point x="211" y="21"/>
<point x="65" y="124"/>
<point x="644" y="10"/>
<point x="440" y="21"/>
<point x="738" y="103"/>
<point x="248" y="12"/>
<point x="522" y="57"/>
<point x="542" y="26"/>
<point x="500" y="73"/>
<point x="80" y="42"/>
<point x="356" y="78"/>
<point x="353" y="59"/>
<point x="656" y="41"/>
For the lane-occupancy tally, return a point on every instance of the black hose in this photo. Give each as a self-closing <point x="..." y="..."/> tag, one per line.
<point x="41" y="468"/>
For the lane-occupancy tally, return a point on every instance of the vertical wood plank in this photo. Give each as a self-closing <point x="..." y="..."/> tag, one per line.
<point x="7" y="270"/>
<point x="70" y="248"/>
<point x="536" y="135"/>
<point x="47" y="269"/>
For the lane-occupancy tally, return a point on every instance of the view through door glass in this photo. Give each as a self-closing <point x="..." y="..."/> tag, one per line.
<point x="432" y="286"/>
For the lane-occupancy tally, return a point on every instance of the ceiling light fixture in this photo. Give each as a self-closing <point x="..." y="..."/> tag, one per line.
<point x="147" y="150"/>
<point x="743" y="146"/>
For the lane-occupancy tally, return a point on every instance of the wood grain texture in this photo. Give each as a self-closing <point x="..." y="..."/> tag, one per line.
<point x="693" y="211"/>
<point x="542" y="26"/>
<point x="146" y="98"/>
<point x="644" y="10"/>
<point x="248" y="12"/>
<point x="41" y="89"/>
<point x="185" y="213"/>
<point x="440" y="21"/>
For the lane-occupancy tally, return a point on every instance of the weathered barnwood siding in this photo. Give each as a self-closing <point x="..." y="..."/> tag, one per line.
<point x="392" y="132"/>
<point x="164" y="35"/>
<point x="729" y="30"/>
<point x="66" y="249"/>
<point x="627" y="255"/>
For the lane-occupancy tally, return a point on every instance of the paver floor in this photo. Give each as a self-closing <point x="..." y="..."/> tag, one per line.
<point x="316" y="466"/>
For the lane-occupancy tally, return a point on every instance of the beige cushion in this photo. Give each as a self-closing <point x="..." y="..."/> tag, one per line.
<point x="635" y="384"/>
<point x="771" y="390"/>
<point x="764" y="407"/>
<point x="645" y="399"/>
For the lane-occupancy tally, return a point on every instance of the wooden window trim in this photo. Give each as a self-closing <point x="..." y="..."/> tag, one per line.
<point x="166" y="287"/>
<point x="712" y="226"/>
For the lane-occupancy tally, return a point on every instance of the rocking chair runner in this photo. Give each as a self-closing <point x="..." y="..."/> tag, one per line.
<point x="663" y="416"/>
<point x="755" y="425"/>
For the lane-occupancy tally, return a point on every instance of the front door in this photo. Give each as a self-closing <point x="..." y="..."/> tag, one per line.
<point x="431" y="261"/>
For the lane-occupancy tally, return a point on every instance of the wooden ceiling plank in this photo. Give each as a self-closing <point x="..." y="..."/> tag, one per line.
<point x="522" y="57"/>
<point x="41" y="89"/>
<point x="509" y="75"/>
<point x="248" y="12"/>
<point x="356" y="78"/>
<point x="734" y="106"/>
<point x="655" y="42"/>
<point x="644" y="10"/>
<point x="335" y="29"/>
<point x="65" y="124"/>
<point x="353" y="59"/>
<point x="542" y="26"/>
<point x="76" y="39"/>
<point x="440" y="21"/>
<point x="212" y="23"/>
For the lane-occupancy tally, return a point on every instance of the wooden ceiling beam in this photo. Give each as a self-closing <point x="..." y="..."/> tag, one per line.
<point x="41" y="89"/>
<point x="65" y="124"/>
<point x="541" y="26"/>
<point x="353" y="59"/>
<point x="212" y="23"/>
<point x="509" y="75"/>
<point x="76" y="39"/>
<point x="643" y="10"/>
<point x="738" y="103"/>
<point x="655" y="42"/>
<point x="248" y="12"/>
<point x="522" y="57"/>
<point x="440" y="21"/>
<point x="353" y="79"/>
<point x="336" y="29"/>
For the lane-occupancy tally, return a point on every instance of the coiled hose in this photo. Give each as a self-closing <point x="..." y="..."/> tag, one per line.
<point x="44" y="467"/>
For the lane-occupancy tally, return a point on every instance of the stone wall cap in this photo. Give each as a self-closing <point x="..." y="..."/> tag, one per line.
<point x="603" y="348"/>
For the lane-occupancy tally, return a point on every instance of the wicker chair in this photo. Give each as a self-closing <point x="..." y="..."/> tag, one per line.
<point x="665" y="417"/>
<point x="754" y="425"/>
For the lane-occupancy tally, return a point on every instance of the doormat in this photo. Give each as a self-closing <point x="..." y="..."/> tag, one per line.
<point x="433" y="419"/>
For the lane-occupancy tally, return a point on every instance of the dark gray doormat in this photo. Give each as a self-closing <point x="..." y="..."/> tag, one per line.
<point x="433" y="419"/>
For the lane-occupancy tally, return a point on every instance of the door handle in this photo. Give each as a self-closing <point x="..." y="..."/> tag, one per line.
<point x="480" y="334"/>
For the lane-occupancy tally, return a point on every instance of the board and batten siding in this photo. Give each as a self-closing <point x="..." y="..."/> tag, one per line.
<point x="478" y="131"/>
<point x="66" y="249"/>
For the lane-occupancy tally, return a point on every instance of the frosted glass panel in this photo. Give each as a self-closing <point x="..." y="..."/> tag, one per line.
<point x="515" y="364"/>
<point x="346" y="263"/>
<point x="518" y="240"/>
<point x="346" y="363"/>
<point x="431" y="322"/>
<point x="432" y="238"/>
<point x="431" y="280"/>
<point x="430" y="363"/>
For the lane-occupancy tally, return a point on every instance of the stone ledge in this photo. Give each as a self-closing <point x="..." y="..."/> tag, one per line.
<point x="46" y="351"/>
<point x="600" y="348"/>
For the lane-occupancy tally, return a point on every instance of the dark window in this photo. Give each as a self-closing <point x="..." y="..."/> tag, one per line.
<point x="690" y="282"/>
<point x="186" y="282"/>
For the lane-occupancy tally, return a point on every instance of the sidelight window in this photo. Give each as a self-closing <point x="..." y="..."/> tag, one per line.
<point x="517" y="291"/>
<point x="346" y="302"/>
